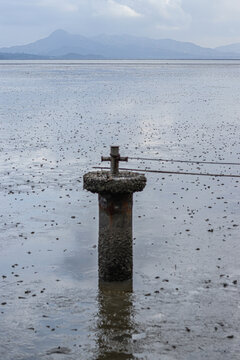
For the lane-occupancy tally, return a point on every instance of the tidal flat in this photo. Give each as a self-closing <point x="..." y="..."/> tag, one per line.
<point x="56" y="121"/>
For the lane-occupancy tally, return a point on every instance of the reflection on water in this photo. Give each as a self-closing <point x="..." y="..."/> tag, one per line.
<point x="115" y="321"/>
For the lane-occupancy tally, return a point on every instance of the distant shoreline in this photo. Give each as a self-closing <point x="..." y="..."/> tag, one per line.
<point x="120" y="61"/>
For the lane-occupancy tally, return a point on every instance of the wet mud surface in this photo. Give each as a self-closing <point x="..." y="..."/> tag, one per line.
<point x="56" y="120"/>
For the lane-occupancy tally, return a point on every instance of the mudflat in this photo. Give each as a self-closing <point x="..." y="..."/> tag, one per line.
<point x="56" y="121"/>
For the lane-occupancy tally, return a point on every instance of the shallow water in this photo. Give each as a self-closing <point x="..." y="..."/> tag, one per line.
<point x="56" y="120"/>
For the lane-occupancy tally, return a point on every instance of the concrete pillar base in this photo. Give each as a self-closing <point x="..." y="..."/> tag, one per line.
<point x="115" y="237"/>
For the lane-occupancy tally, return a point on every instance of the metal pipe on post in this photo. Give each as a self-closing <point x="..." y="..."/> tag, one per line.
<point x="114" y="159"/>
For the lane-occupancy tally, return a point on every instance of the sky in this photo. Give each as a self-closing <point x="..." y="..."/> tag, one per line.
<point x="208" y="23"/>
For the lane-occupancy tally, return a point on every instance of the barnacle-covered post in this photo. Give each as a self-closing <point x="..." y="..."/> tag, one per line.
<point x="115" y="189"/>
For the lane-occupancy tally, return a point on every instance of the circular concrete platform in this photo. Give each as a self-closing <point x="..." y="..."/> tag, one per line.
<point x="103" y="181"/>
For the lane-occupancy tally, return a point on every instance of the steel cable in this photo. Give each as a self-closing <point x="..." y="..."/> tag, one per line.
<point x="171" y="172"/>
<point x="184" y="161"/>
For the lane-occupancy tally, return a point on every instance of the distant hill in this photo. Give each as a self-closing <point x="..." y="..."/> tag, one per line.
<point x="59" y="43"/>
<point x="234" y="48"/>
<point x="73" y="56"/>
<point x="62" y="45"/>
<point x="22" y="56"/>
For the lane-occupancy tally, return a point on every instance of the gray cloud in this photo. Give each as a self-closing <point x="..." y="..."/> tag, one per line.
<point x="206" y="22"/>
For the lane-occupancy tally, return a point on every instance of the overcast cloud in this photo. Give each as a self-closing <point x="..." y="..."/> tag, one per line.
<point x="205" y="22"/>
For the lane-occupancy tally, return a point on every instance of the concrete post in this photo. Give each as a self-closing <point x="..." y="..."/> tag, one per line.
<point x="115" y="189"/>
<point x="115" y="236"/>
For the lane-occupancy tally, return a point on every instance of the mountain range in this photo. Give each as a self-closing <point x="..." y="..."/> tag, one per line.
<point x="63" y="45"/>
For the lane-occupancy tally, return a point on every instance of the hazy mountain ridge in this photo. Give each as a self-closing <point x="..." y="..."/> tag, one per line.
<point x="71" y="56"/>
<point x="62" y="45"/>
<point x="230" y="48"/>
<point x="21" y="56"/>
